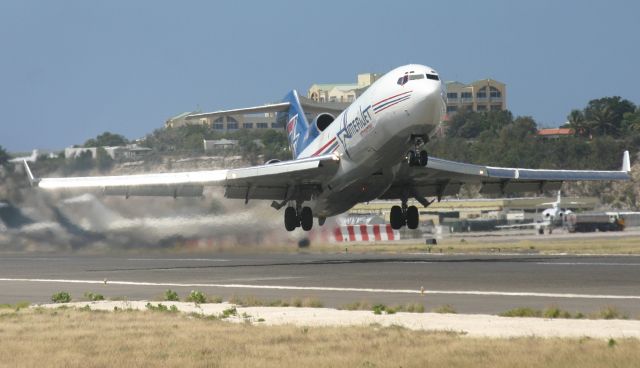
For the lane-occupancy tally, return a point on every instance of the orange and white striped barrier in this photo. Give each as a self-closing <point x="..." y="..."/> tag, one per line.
<point x="364" y="233"/>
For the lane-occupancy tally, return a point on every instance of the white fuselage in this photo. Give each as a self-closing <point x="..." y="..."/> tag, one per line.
<point x="373" y="135"/>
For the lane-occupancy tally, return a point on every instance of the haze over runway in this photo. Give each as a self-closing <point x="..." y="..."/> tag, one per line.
<point x="470" y="283"/>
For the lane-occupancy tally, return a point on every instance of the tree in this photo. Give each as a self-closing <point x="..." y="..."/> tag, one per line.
<point x="606" y="114"/>
<point x="4" y="157"/>
<point x="106" y="139"/>
<point x="103" y="160"/>
<point x="578" y="123"/>
<point x="631" y="121"/>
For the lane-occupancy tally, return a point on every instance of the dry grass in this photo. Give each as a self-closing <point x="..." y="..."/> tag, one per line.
<point x="70" y="337"/>
<point x="252" y="301"/>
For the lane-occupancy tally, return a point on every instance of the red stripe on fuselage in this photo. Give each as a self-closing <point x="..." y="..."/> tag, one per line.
<point x="323" y="147"/>
<point x="388" y="98"/>
<point x="389" y="105"/>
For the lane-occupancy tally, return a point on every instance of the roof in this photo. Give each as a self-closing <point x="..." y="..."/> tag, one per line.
<point x="556" y="131"/>
<point x="329" y="86"/>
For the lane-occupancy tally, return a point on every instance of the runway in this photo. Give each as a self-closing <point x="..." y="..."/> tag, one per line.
<point x="470" y="283"/>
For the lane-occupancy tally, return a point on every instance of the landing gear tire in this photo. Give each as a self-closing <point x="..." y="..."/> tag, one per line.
<point x="423" y="158"/>
<point x="306" y="218"/>
<point x="413" y="217"/>
<point x="290" y="219"/>
<point x="396" y="217"/>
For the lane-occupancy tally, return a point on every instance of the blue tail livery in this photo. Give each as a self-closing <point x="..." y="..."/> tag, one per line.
<point x="299" y="132"/>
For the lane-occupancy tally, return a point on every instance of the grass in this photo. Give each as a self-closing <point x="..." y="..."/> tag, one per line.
<point x="609" y="312"/>
<point x="16" y="307"/>
<point x="447" y="308"/>
<point x="94" y="297"/>
<point x="252" y="301"/>
<point x="69" y="337"/>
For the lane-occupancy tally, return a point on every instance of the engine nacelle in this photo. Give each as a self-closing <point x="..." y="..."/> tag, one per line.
<point x="322" y="121"/>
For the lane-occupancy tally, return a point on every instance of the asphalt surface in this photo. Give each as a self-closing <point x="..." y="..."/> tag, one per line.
<point x="469" y="283"/>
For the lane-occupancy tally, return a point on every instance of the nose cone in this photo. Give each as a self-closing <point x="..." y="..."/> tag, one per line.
<point x="430" y="105"/>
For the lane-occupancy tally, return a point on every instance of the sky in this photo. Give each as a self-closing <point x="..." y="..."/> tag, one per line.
<point x="70" y="70"/>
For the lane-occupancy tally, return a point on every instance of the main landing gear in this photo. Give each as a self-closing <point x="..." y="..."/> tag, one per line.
<point x="405" y="215"/>
<point x="298" y="217"/>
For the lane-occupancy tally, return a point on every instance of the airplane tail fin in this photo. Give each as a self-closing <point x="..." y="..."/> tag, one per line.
<point x="626" y="162"/>
<point x="296" y="125"/>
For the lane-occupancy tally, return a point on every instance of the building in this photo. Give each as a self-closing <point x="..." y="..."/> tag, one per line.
<point x="481" y="95"/>
<point x="341" y="92"/>
<point x="555" y="133"/>
<point x="219" y="144"/>
<point x="128" y="152"/>
<point x="229" y="122"/>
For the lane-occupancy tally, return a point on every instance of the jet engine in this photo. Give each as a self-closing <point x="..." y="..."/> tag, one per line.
<point x="322" y="121"/>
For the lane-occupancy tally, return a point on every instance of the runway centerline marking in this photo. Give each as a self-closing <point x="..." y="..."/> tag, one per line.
<point x="180" y="259"/>
<point x="337" y="289"/>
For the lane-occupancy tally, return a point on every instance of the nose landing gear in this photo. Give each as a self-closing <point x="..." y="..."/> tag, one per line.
<point x="298" y="217"/>
<point x="418" y="157"/>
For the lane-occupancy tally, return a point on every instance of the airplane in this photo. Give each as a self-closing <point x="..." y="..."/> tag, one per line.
<point x="374" y="149"/>
<point x="549" y="218"/>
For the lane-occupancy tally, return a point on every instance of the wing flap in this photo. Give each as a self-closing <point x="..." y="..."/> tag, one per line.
<point x="258" y="182"/>
<point x="444" y="177"/>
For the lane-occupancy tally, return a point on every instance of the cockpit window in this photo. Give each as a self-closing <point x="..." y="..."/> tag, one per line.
<point x="433" y="77"/>
<point x="415" y="76"/>
<point x="403" y="80"/>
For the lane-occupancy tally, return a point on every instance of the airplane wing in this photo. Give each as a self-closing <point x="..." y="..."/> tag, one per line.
<point x="443" y="177"/>
<point x="286" y="180"/>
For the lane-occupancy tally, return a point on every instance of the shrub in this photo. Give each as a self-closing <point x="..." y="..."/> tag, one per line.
<point x="521" y="312"/>
<point x="93" y="297"/>
<point x="197" y="297"/>
<point x="610" y="313"/>
<point x="161" y="308"/>
<point x="312" y="303"/>
<point x="379" y="308"/>
<point x="229" y="312"/>
<point x="447" y="308"/>
<point x="61" y="297"/>
<point x="215" y="299"/>
<point x="555" y="312"/>
<point x="171" y="296"/>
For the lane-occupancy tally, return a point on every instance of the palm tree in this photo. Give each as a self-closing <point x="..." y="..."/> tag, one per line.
<point x="604" y="121"/>
<point x="578" y="123"/>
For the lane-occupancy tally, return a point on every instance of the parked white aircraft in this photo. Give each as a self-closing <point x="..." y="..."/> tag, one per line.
<point x="372" y="149"/>
<point x="549" y="218"/>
